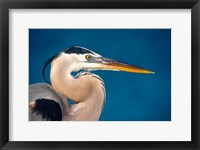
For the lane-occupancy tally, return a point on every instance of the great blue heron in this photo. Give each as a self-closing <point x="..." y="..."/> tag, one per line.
<point x="86" y="90"/>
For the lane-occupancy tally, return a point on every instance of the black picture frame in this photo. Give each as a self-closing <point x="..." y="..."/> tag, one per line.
<point x="5" y="5"/>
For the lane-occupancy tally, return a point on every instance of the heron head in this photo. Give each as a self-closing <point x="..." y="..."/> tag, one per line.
<point x="84" y="59"/>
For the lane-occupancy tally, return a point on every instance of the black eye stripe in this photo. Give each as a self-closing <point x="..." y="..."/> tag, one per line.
<point x="77" y="50"/>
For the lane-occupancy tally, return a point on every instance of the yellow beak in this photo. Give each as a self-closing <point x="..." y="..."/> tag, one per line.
<point x="108" y="64"/>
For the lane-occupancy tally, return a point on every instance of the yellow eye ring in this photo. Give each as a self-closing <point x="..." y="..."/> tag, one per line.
<point x="88" y="57"/>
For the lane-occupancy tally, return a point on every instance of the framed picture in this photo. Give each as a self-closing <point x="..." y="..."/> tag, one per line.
<point x="112" y="75"/>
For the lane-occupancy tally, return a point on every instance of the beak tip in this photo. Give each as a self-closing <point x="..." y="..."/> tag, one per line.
<point x="152" y="72"/>
<point x="147" y="72"/>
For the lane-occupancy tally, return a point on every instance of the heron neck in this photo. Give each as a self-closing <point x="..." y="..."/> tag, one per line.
<point x="85" y="91"/>
<point x="62" y="80"/>
<point x="84" y="111"/>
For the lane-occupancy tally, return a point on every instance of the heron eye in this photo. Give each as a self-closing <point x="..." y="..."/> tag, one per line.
<point x="88" y="57"/>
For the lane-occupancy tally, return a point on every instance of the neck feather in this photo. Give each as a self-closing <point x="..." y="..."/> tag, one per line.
<point x="87" y="91"/>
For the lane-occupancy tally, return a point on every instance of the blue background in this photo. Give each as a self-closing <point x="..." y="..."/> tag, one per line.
<point x="129" y="96"/>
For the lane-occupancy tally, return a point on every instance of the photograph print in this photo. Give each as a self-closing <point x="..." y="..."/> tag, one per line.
<point x="99" y="75"/>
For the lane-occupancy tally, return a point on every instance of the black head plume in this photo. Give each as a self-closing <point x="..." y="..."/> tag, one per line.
<point x="46" y="64"/>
